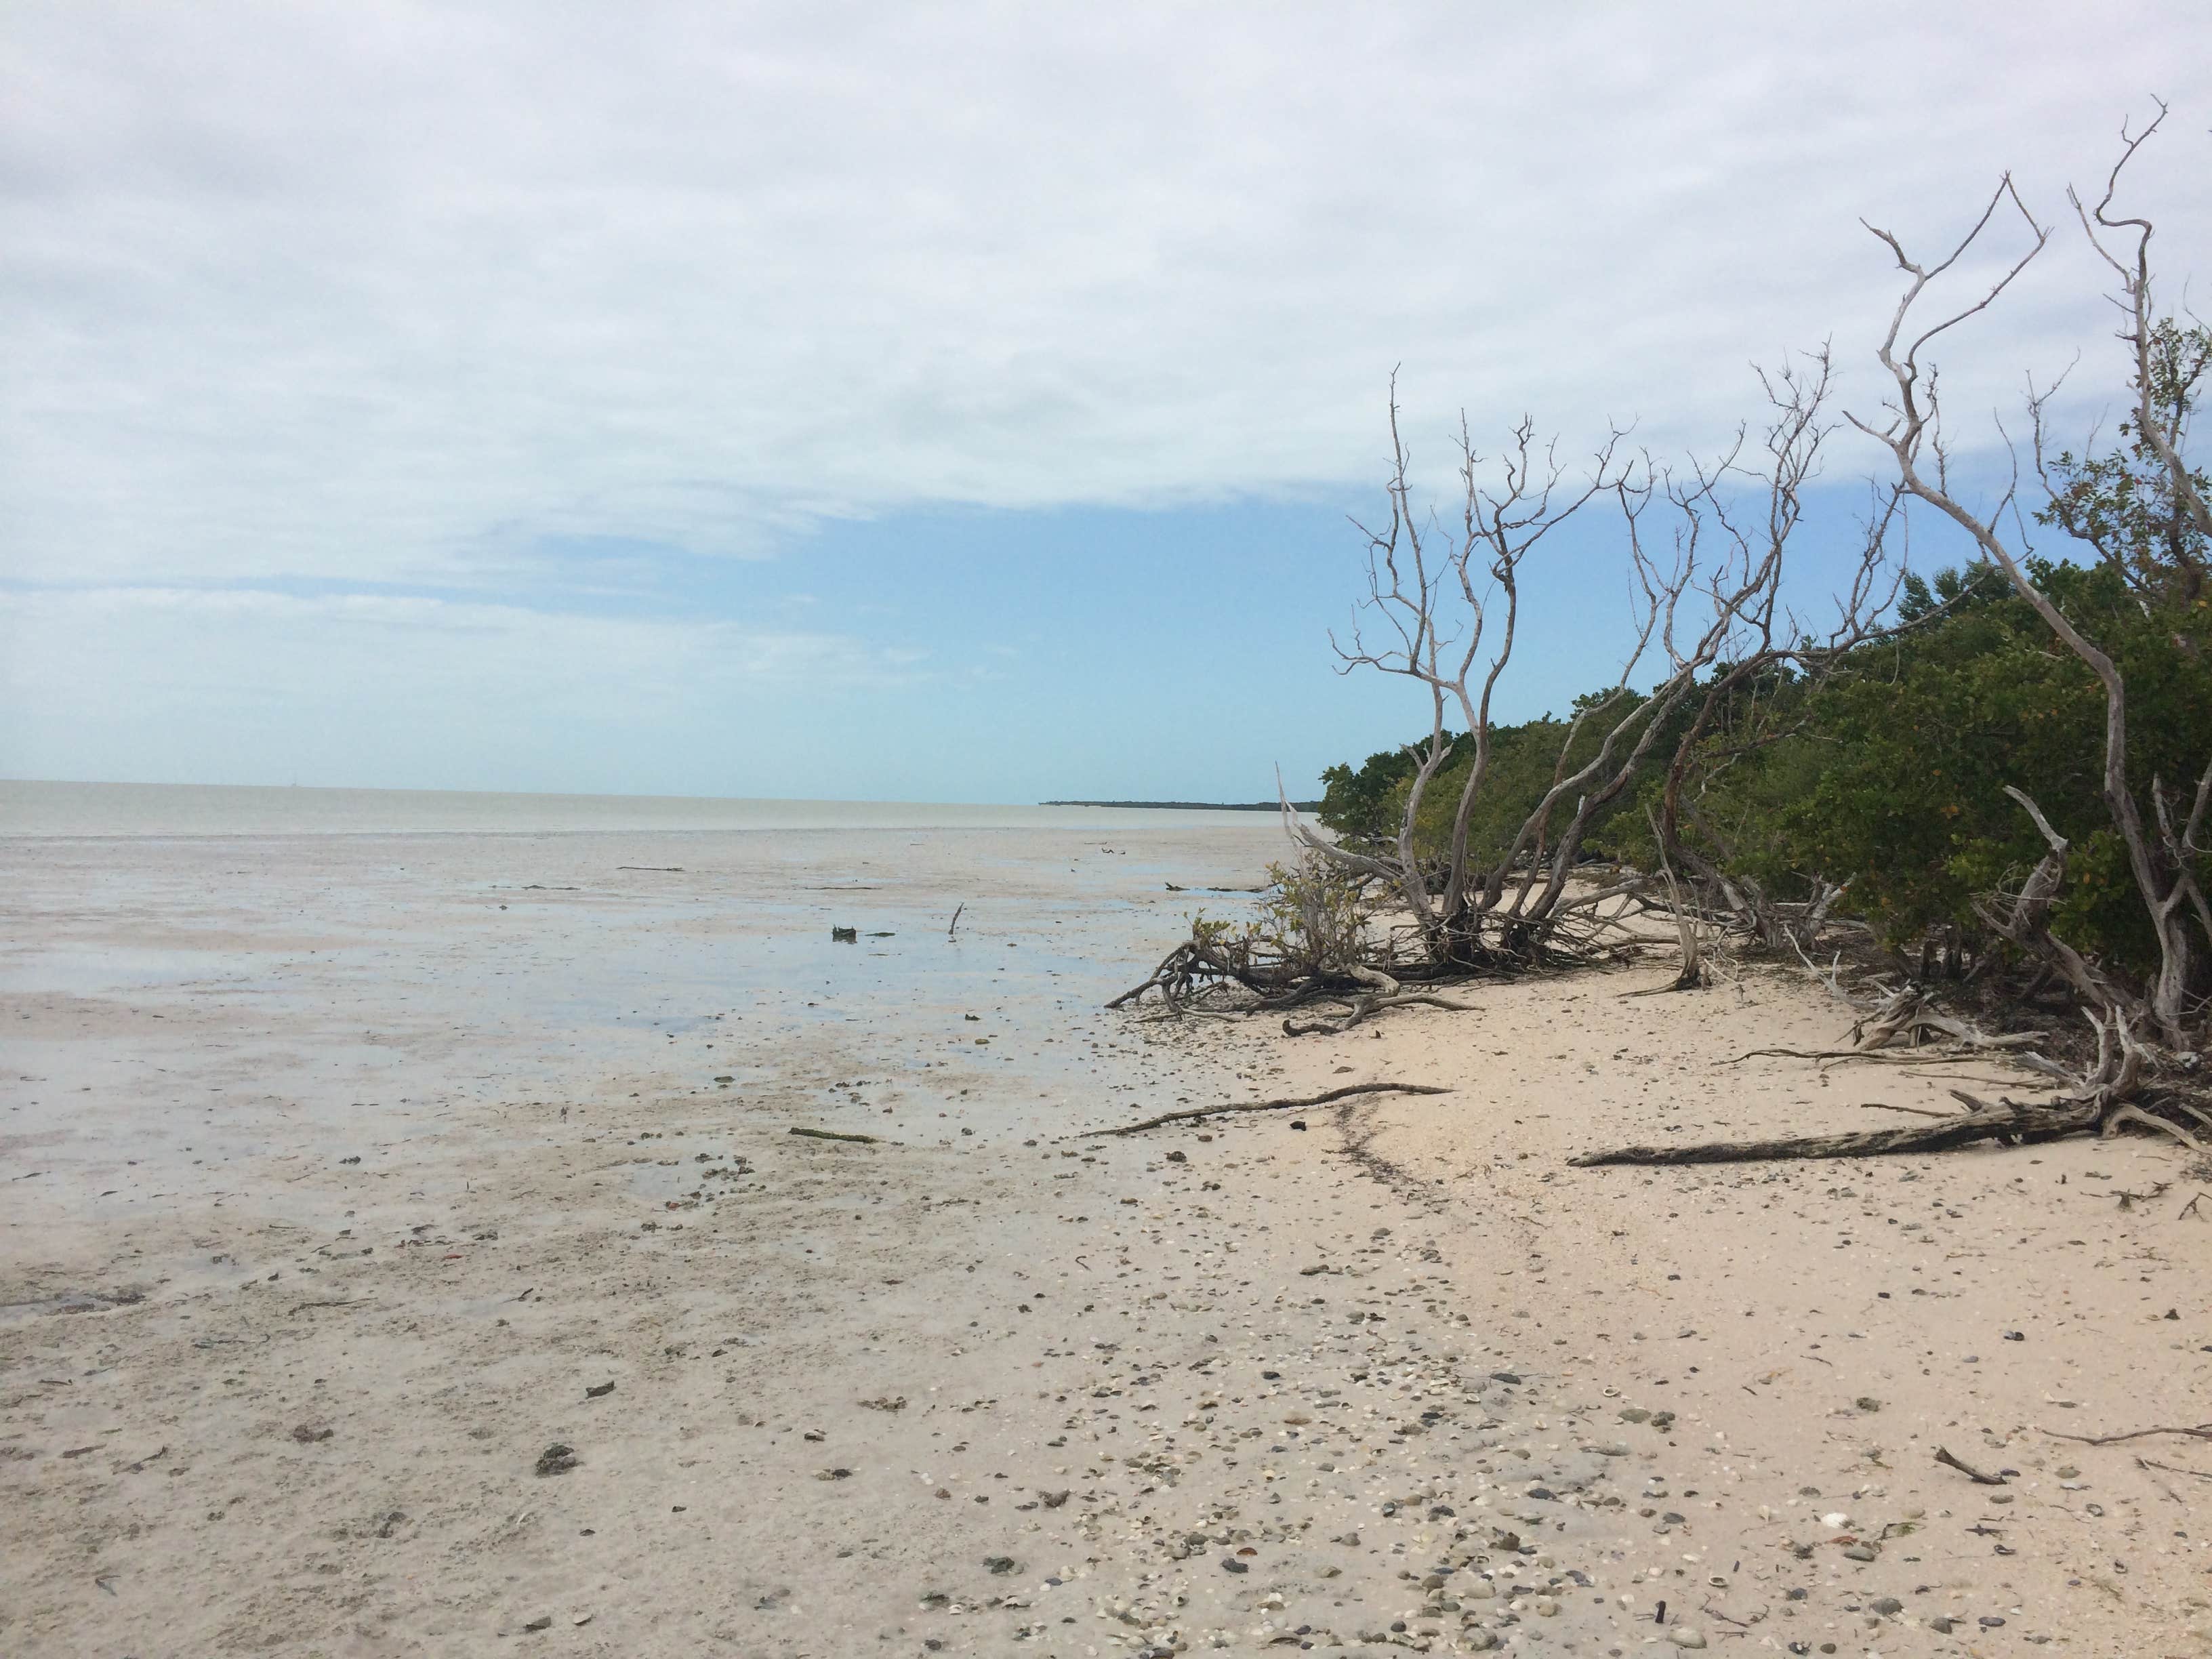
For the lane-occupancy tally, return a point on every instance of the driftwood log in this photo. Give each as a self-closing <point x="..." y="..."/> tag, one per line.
<point x="1192" y="1113"/>
<point x="2007" y="1121"/>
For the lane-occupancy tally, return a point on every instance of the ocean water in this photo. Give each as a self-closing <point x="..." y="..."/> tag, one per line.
<point x="168" y="809"/>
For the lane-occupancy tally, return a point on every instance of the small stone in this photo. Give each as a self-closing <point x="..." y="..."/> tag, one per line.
<point x="1053" y="1500"/>
<point x="599" y="1391"/>
<point x="308" y="1434"/>
<point x="544" y="1621"/>
<point x="1942" y="1623"/>
<point x="999" y="1566"/>
<point x="1682" y="1636"/>
<point x="1990" y="1621"/>
<point x="1861" y="1553"/>
<point x="1230" y="1564"/>
<point x="1889" y="1605"/>
<point x="556" y="1459"/>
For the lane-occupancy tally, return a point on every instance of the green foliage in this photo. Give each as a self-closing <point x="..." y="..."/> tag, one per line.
<point x="1368" y="805"/>
<point x="1315" y="916"/>
<point x="1892" y="774"/>
<point x="1525" y="760"/>
<point x="1912" y="796"/>
<point x="1312" y="922"/>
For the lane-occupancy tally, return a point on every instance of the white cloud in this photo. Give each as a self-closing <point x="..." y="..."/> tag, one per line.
<point x="257" y="687"/>
<point x="391" y="292"/>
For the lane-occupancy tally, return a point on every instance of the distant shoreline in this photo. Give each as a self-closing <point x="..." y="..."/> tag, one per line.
<point x="47" y="808"/>
<point x="1193" y="806"/>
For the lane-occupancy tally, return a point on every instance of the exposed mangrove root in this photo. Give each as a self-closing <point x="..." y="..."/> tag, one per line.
<point x="1364" y="1007"/>
<point x="1249" y="974"/>
<point x="1192" y="1113"/>
<point x="1384" y="993"/>
<point x="1241" y="977"/>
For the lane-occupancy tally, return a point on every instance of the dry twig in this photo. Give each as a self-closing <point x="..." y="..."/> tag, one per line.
<point x="1972" y="1473"/>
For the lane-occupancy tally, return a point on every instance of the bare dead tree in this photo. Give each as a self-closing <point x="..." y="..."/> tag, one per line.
<point x="2163" y="868"/>
<point x="1436" y="595"/>
<point x="1708" y="603"/>
<point x="2101" y="1097"/>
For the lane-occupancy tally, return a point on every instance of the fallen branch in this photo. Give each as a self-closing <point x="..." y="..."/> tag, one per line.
<point x="1972" y="1473"/>
<point x="2201" y="1432"/>
<point x="2171" y="1468"/>
<point x="1193" y="1113"/>
<point x="1914" y="1057"/>
<point x="2007" y="1121"/>
<point x="831" y="1134"/>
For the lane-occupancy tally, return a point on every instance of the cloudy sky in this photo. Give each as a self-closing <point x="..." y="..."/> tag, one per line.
<point x="927" y="402"/>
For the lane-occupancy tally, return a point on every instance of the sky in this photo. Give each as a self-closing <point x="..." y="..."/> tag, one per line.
<point x="937" y="402"/>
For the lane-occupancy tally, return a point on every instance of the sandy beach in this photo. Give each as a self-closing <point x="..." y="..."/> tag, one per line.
<point x="406" y="1251"/>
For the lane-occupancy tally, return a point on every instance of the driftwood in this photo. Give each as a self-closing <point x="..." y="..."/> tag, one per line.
<point x="2201" y="1432"/>
<point x="1968" y="1469"/>
<point x="2008" y="1121"/>
<point x="1194" y="1113"/>
<point x="831" y="1134"/>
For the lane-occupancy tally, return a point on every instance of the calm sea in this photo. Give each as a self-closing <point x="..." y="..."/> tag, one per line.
<point x="172" y="809"/>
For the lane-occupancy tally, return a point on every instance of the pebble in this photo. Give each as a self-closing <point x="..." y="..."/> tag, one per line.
<point x="1683" y="1636"/>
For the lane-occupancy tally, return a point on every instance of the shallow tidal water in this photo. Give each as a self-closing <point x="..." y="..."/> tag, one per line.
<point x="190" y="987"/>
